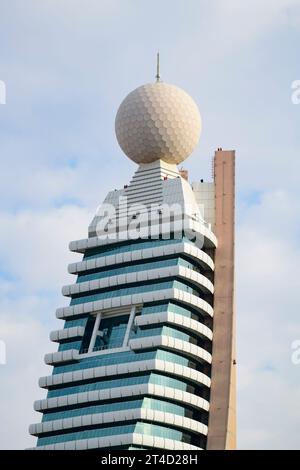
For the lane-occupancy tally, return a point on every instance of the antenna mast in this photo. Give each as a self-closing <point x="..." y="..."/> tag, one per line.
<point x="157" y="68"/>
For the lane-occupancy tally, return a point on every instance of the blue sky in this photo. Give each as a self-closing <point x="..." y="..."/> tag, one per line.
<point x="67" y="65"/>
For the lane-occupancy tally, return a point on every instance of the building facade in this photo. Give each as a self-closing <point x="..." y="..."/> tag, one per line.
<point x="146" y="356"/>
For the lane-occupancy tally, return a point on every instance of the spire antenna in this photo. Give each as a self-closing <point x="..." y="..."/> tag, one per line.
<point x="157" y="68"/>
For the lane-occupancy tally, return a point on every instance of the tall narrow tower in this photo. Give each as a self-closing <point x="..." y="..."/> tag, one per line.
<point x="146" y="355"/>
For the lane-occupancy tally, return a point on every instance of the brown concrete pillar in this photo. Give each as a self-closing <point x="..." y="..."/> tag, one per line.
<point x="222" y="415"/>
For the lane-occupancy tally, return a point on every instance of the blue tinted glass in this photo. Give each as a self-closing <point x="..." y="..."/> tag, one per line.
<point x="171" y="357"/>
<point x="76" y="322"/>
<point x="120" y="358"/>
<point x="153" y="378"/>
<point x="168" y="306"/>
<point x="89" y="387"/>
<point x="151" y="403"/>
<point x="94" y="409"/>
<point x="107" y="294"/>
<point x="162" y="330"/>
<point x="162" y="405"/>
<point x="105" y="360"/>
<point x="135" y="268"/>
<point x="162" y="431"/>
<point x="111" y="332"/>
<point x="70" y="345"/>
<point x="169" y="382"/>
<point x="72" y="436"/>
<point x="128" y="269"/>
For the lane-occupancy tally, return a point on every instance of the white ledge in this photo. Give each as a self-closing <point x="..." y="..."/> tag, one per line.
<point x="62" y="357"/>
<point x="67" y="333"/>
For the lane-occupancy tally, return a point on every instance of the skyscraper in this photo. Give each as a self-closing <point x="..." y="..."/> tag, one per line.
<point x="146" y="357"/>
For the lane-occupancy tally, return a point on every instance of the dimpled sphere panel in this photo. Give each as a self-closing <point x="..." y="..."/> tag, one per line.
<point x="158" y="121"/>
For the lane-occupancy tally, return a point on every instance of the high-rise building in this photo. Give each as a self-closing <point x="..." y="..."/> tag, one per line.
<point x="146" y="357"/>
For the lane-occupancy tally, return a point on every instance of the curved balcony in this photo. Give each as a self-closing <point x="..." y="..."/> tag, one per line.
<point x="166" y="367"/>
<point x="137" y="439"/>
<point x="192" y="228"/>
<point x="122" y="280"/>
<point x="171" y="344"/>
<point x="139" y="390"/>
<point x="193" y="252"/>
<point x="136" y="299"/>
<point x="188" y="324"/>
<point x="144" y="414"/>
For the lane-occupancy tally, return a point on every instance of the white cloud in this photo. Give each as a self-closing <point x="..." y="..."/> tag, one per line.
<point x="25" y="341"/>
<point x="271" y="414"/>
<point x="268" y="282"/>
<point x="253" y="17"/>
<point x="34" y="254"/>
<point x="35" y="245"/>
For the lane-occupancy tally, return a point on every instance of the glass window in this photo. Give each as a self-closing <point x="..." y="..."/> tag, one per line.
<point x="72" y="436"/>
<point x="143" y="266"/>
<point x="153" y="378"/>
<point x="70" y="345"/>
<point x="166" y="331"/>
<point x="76" y="322"/>
<point x="166" y="432"/>
<point x="111" y="332"/>
<point x="171" y="307"/>
<point x="101" y="385"/>
<point x="94" y="409"/>
<point x="105" y="360"/>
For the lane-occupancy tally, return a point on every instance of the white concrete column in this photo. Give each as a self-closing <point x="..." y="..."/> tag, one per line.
<point x="129" y="326"/>
<point x="95" y="332"/>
